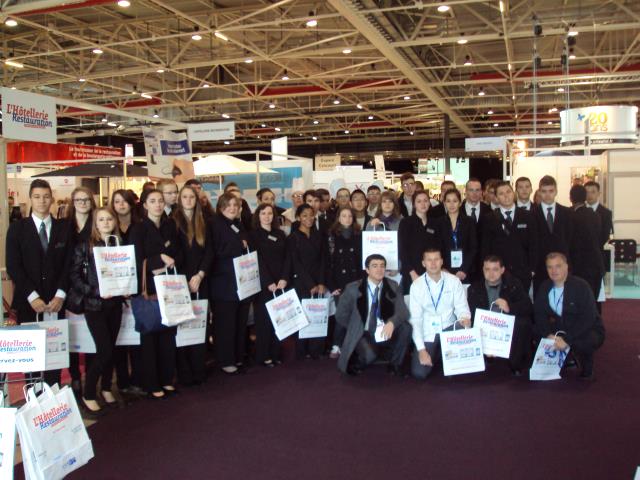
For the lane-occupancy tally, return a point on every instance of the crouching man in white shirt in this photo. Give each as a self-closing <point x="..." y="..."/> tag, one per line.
<point x="438" y="302"/>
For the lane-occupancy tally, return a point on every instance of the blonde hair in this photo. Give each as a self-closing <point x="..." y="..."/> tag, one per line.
<point x="95" y="234"/>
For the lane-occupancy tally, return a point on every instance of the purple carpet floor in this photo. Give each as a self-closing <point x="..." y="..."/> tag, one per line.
<point x="304" y="420"/>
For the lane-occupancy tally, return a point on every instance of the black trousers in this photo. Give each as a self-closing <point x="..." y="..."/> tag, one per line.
<point x="128" y="364"/>
<point x="267" y="343"/>
<point x="584" y="348"/>
<point x="190" y="364"/>
<point x="520" y="355"/>
<point x="104" y="326"/>
<point x="393" y="350"/>
<point x="158" y="359"/>
<point x="230" y="328"/>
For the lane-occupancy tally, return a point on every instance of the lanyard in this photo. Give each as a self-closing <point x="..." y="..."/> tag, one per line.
<point x="375" y="304"/>
<point x="435" y="304"/>
<point x="557" y="302"/>
<point x="454" y="234"/>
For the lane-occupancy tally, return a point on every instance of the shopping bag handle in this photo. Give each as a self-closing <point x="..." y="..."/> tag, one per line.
<point x="166" y="270"/>
<point x="247" y="249"/>
<point x="29" y="390"/>
<point x="274" y="292"/>
<point x="492" y="304"/>
<point x="117" y="239"/>
<point x="384" y="227"/>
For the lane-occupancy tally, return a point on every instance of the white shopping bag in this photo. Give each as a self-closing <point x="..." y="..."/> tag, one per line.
<point x="22" y="349"/>
<point x="174" y="299"/>
<point x="247" y="274"/>
<point x="7" y="440"/>
<point x="547" y="362"/>
<point x="127" y="334"/>
<point x="116" y="269"/>
<point x="317" y="312"/>
<point x="53" y="438"/>
<point x="384" y="243"/>
<point x="57" y="343"/>
<point x="462" y="351"/>
<point x="194" y="332"/>
<point x="286" y="314"/>
<point x="497" y="332"/>
<point x="80" y="338"/>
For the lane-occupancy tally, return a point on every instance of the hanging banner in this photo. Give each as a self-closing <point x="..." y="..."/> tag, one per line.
<point x="326" y="162"/>
<point x="206" y="132"/>
<point x="25" y="152"/>
<point x="609" y="124"/>
<point x="484" y="144"/>
<point x="168" y="154"/>
<point x="28" y="116"/>
<point x="379" y="162"/>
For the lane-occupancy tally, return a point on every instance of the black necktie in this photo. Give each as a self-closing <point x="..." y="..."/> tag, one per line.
<point x="373" y="317"/>
<point x="44" y="241"/>
<point x="550" y="219"/>
<point x="473" y="214"/>
<point x="509" y="219"/>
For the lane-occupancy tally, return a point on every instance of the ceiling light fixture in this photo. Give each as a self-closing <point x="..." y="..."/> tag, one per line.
<point x="104" y="120"/>
<point x="346" y="132"/>
<point x="146" y="95"/>
<point x="407" y="97"/>
<point x="225" y="115"/>
<point x="226" y="142"/>
<point x="560" y="89"/>
<point x="277" y="129"/>
<point x="285" y="77"/>
<point x="10" y="22"/>
<point x="509" y="67"/>
<point x="443" y="8"/>
<point x="411" y="132"/>
<point x="336" y="102"/>
<point x="495" y="124"/>
<point x="272" y="105"/>
<point x="82" y="80"/>
<point x="359" y="106"/>
<point x="314" y="138"/>
<point x="572" y="32"/>
<point x="112" y="124"/>
<point x="490" y="112"/>
<point x="160" y="70"/>
<point x="370" y="117"/>
<point x="196" y="36"/>
<point x="467" y="61"/>
<point x="462" y="40"/>
<point x="263" y="125"/>
<point x="155" y="115"/>
<point x="97" y="51"/>
<point x="13" y="63"/>
<point x="124" y="3"/>
<point x="501" y="4"/>
<point x="549" y="123"/>
<point x="553" y="110"/>
<point x="206" y="85"/>
<point x="221" y="36"/>
<point x="312" y="22"/>
<point x="346" y="51"/>
<point x="248" y="60"/>
<point x="315" y="122"/>
<point x="481" y="92"/>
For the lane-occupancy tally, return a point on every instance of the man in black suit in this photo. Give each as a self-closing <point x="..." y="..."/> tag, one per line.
<point x="506" y="293"/>
<point x="473" y="206"/>
<point x="36" y="259"/>
<point x="565" y="310"/>
<point x="554" y="224"/>
<point x="512" y="234"/>
<point x="585" y="251"/>
<point x="439" y="210"/>
<point x="606" y="219"/>
<point x="408" y="183"/>
<point x="523" y="192"/>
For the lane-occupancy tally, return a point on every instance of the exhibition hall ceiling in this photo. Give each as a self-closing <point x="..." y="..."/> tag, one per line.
<point x="326" y="71"/>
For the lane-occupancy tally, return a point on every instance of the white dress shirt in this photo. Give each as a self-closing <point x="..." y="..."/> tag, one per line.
<point x="167" y="210"/>
<point x="47" y="226"/>
<point x="525" y="205"/>
<point x="503" y="212"/>
<point x="593" y="206"/>
<point x="425" y="319"/>
<point x="545" y="209"/>
<point x="409" y="205"/>
<point x="468" y="206"/>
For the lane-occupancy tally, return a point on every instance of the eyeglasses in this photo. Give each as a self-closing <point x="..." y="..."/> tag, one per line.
<point x="81" y="200"/>
<point x="408" y="184"/>
<point x="296" y="196"/>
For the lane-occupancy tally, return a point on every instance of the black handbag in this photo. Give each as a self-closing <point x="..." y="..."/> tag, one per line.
<point x="75" y="299"/>
<point x="146" y="309"/>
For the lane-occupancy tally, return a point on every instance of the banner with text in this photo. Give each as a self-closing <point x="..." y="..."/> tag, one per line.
<point x="211" y="131"/>
<point x="168" y="154"/>
<point x="28" y="116"/>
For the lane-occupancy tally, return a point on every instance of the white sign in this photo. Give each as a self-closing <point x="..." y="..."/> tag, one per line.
<point x="609" y="123"/>
<point x="279" y="148"/>
<point x="462" y="351"/>
<point x="22" y="349"/>
<point x="203" y="132"/>
<point x="497" y="332"/>
<point x="168" y="154"/>
<point x="379" y="161"/>
<point x="57" y="343"/>
<point x="28" y="116"/>
<point x="326" y="162"/>
<point x="484" y="144"/>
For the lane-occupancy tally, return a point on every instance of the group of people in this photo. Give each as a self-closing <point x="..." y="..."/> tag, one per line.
<point x="497" y="241"/>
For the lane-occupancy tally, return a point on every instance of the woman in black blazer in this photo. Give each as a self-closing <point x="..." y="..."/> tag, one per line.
<point x="270" y="243"/>
<point x="197" y="257"/>
<point x="344" y="263"/>
<point x="415" y="234"/>
<point x="230" y="314"/>
<point x="103" y="314"/>
<point x="458" y="238"/>
<point x="306" y="248"/>
<point x="156" y="241"/>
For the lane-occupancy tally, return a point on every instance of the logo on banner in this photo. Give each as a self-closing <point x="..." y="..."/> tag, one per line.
<point x="52" y="417"/>
<point x="461" y="339"/>
<point x="29" y="117"/>
<point x="16" y="346"/>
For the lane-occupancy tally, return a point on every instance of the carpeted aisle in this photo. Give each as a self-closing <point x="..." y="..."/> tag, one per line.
<point x="305" y="421"/>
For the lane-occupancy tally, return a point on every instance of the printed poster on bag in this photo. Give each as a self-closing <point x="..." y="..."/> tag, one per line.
<point x="497" y="332"/>
<point x="57" y="343"/>
<point x="127" y="334"/>
<point x="286" y="314"/>
<point x="462" y="351"/>
<point x="317" y="312"/>
<point x="80" y="338"/>
<point x="247" y="275"/>
<point x="116" y="269"/>
<point x="383" y="243"/>
<point x="174" y="299"/>
<point x="194" y="332"/>
<point x="22" y="349"/>
<point x="547" y="362"/>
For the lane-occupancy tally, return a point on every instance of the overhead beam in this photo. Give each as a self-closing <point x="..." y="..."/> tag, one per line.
<point x="350" y="12"/>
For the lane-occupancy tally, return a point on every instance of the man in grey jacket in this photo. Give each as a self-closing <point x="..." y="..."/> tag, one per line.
<point x="375" y="316"/>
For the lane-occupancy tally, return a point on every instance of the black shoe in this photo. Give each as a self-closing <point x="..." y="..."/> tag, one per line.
<point x="354" y="370"/>
<point x="151" y="396"/>
<point x="170" y="392"/>
<point x="516" y="372"/>
<point x="268" y="364"/>
<point x="396" y="371"/>
<point x="570" y="362"/>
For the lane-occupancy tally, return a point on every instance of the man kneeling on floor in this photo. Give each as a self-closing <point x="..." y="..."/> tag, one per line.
<point x="375" y="316"/>
<point x="438" y="302"/>
<point x="565" y="310"/>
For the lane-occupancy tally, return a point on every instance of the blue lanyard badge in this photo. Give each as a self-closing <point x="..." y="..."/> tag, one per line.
<point x="375" y="304"/>
<point x="434" y="303"/>
<point x="557" y="302"/>
<point x="454" y="234"/>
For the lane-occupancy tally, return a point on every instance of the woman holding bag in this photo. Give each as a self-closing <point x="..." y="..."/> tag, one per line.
<point x="103" y="313"/>
<point x="388" y="214"/>
<point x="270" y="243"/>
<point x="306" y="248"/>
<point x="195" y="244"/>
<point x="230" y="314"/>
<point x="157" y="248"/>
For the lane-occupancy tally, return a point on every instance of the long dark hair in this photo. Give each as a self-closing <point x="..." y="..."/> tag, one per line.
<point x="337" y="226"/>
<point x="255" y="220"/>
<point x="194" y="228"/>
<point x="387" y="195"/>
<point x="129" y="197"/>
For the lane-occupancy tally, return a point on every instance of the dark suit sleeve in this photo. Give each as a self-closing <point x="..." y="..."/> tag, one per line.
<point x="542" y="326"/>
<point x="76" y="276"/>
<point x="519" y="303"/>
<point x="534" y="243"/>
<point x="63" y="276"/>
<point x="296" y="266"/>
<point x="587" y="312"/>
<point x="346" y="304"/>
<point x="485" y="243"/>
<point x="207" y="259"/>
<point x="15" y="261"/>
<point x="404" y="246"/>
<point x="400" y="310"/>
<point x="324" y="254"/>
<point x="471" y="249"/>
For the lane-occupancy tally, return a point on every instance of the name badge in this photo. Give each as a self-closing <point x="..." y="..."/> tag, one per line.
<point x="272" y="238"/>
<point x="431" y="231"/>
<point x="456" y="258"/>
<point x="379" y="336"/>
<point x="522" y="225"/>
<point x="436" y="323"/>
<point x="167" y="243"/>
<point x="235" y="229"/>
